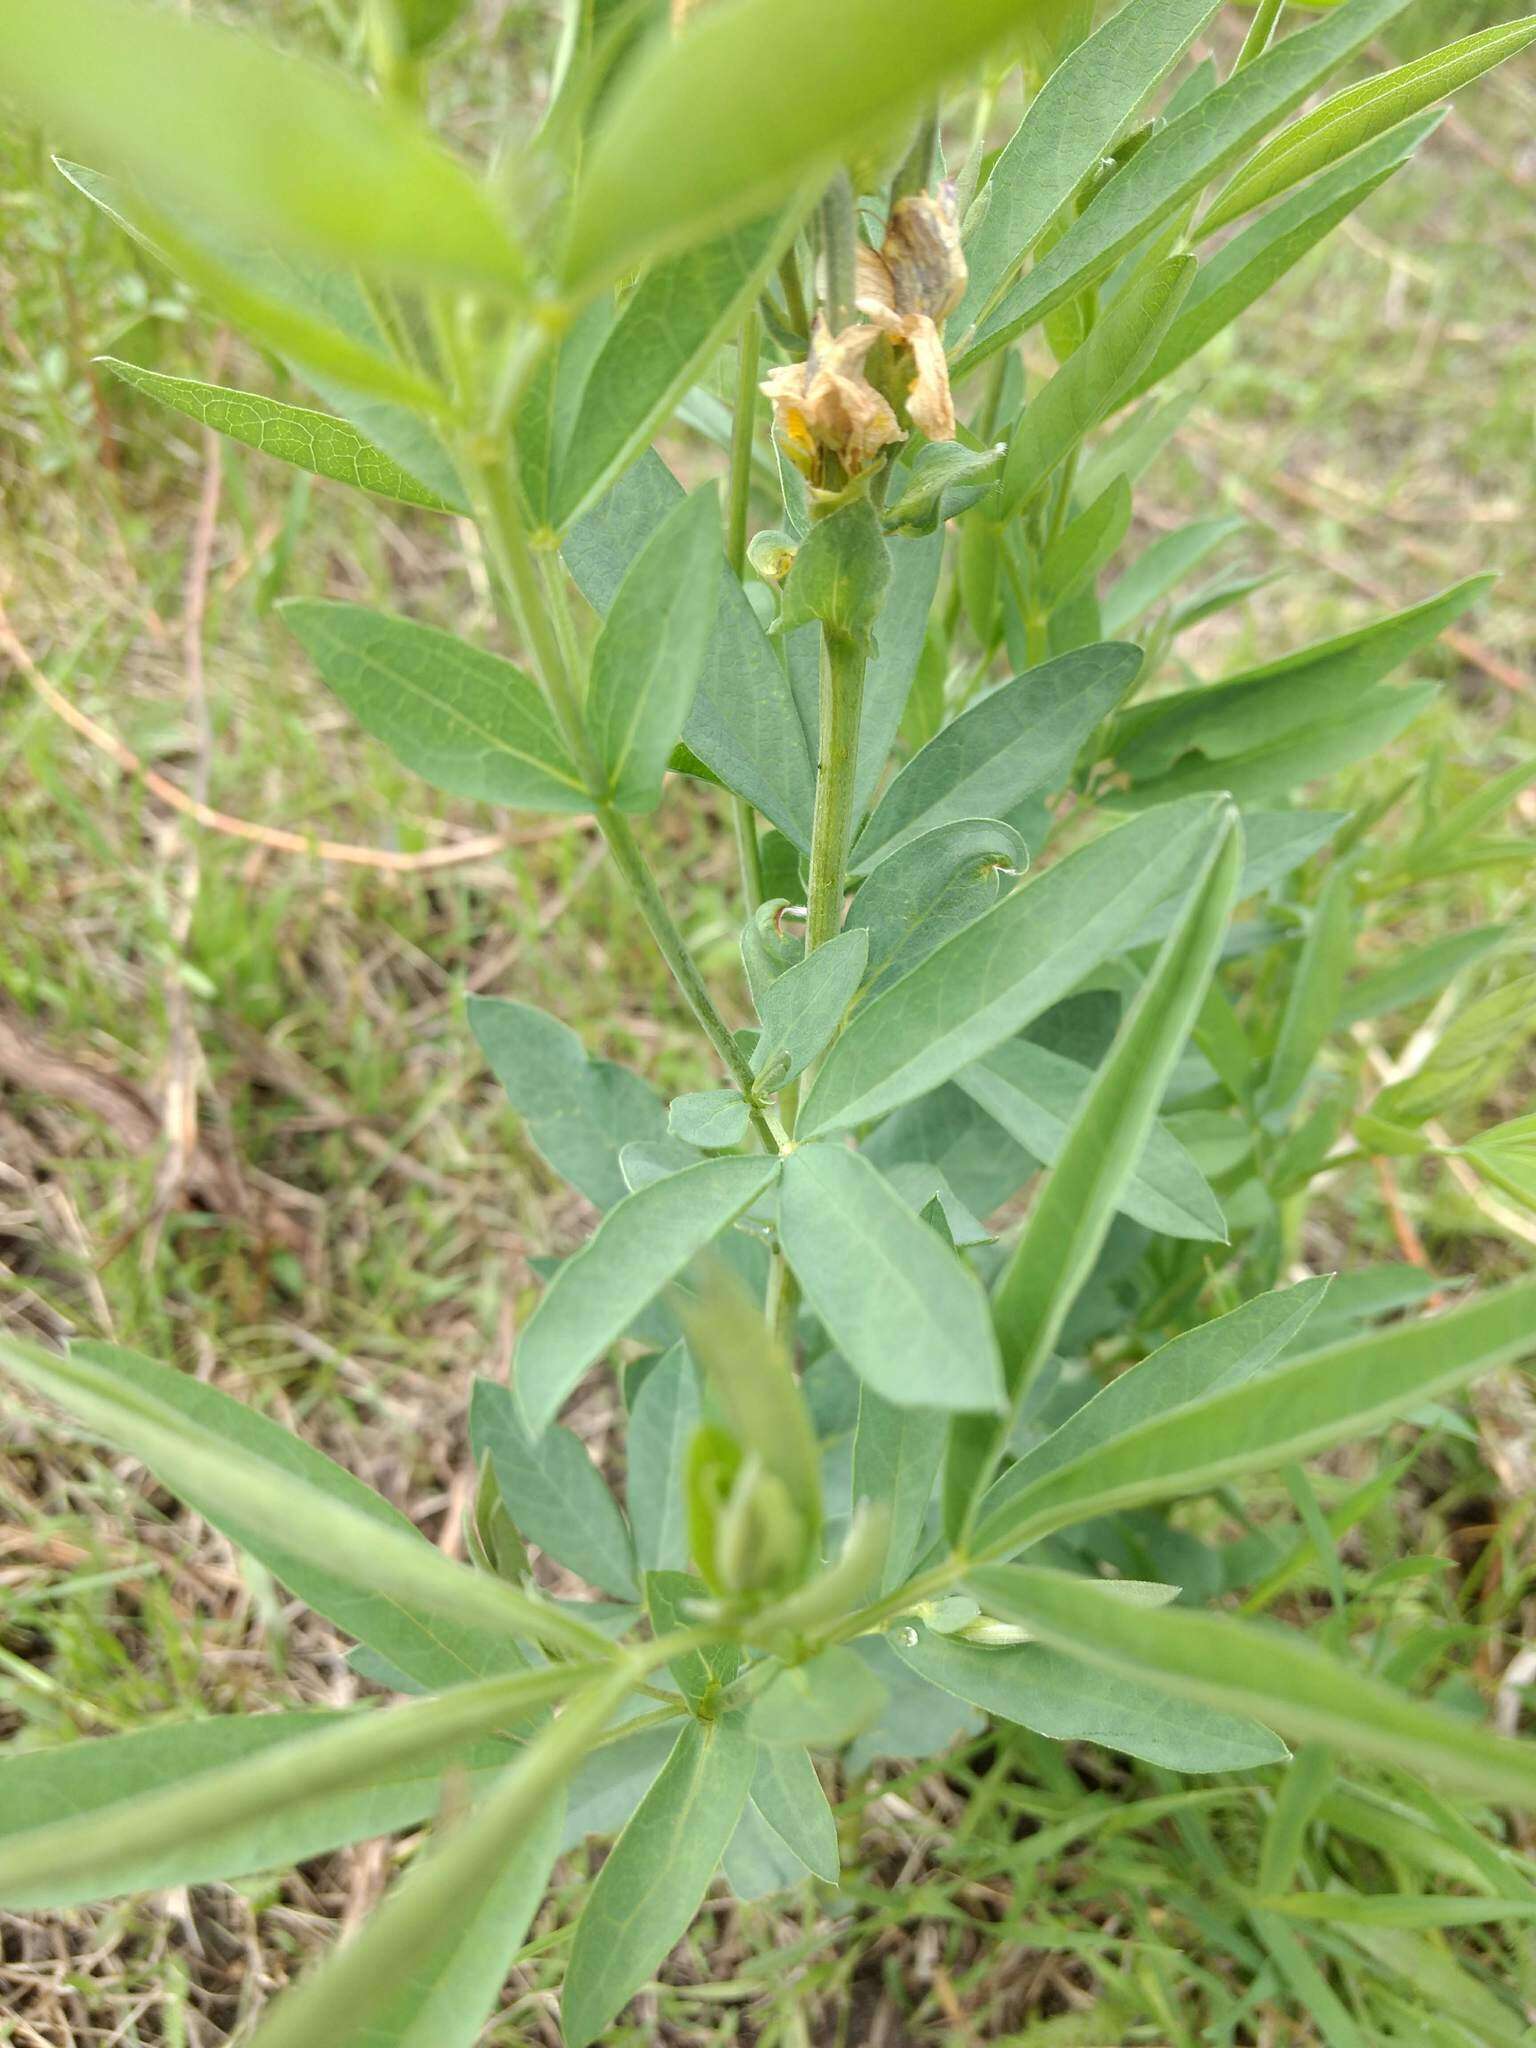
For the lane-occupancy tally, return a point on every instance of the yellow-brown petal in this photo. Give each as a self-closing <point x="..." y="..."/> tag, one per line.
<point x="923" y="255"/>
<point x="929" y="400"/>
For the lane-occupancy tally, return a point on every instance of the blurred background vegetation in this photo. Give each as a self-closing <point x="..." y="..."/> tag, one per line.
<point x="242" y="1124"/>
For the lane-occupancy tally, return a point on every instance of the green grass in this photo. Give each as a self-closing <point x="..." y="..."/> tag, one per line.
<point x="387" y="1206"/>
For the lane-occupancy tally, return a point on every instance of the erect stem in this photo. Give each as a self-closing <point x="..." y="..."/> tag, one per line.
<point x="842" y="701"/>
<point x="747" y="848"/>
<point x="517" y="575"/>
<point x="839" y="239"/>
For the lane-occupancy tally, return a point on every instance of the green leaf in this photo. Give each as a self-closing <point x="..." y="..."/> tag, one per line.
<point x="1017" y="742"/>
<point x="1242" y="1668"/>
<point x="1157" y="569"/>
<point x="1070" y="1701"/>
<point x="1362" y="112"/>
<point x="324" y="328"/>
<point x="650" y="653"/>
<point x="944" y="1133"/>
<point x="743" y="725"/>
<point x="276" y="149"/>
<point x="1035" y="1095"/>
<point x="700" y="1674"/>
<point x="802" y="1009"/>
<point x="651" y="1885"/>
<point x="1169" y="172"/>
<point x="1417" y="974"/>
<point x="554" y="1493"/>
<point x="758" y="1863"/>
<point x="379" y="1972"/>
<point x="899" y="635"/>
<point x="1297" y="698"/>
<point x="84" y="1781"/>
<point x="1073" y="560"/>
<point x="1347" y="1389"/>
<point x="243" y="1797"/>
<point x="580" y="1113"/>
<point x="669" y="329"/>
<point x="1220" y="1354"/>
<point x="906" y="1314"/>
<point x="292" y="433"/>
<point x="715" y="1120"/>
<point x="665" y="1414"/>
<point x="1094" y="378"/>
<point x="787" y="1793"/>
<point x="380" y="1580"/>
<point x="674" y="160"/>
<point x="464" y="720"/>
<point x="896" y="1457"/>
<point x="1506" y="1155"/>
<point x="1070" y="1218"/>
<point x="917" y="1720"/>
<point x="1316" y="992"/>
<point x="990" y="980"/>
<point x="820" y="1705"/>
<point x="641" y="1244"/>
<point x="1072" y="124"/>
<point x="840" y="576"/>
<point x="1245" y="268"/>
<point x="929" y="889"/>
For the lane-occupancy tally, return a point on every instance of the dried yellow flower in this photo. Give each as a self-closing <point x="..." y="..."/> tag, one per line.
<point x="826" y="404"/>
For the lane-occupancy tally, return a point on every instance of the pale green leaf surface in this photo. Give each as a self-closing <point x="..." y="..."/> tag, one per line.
<point x="554" y="1493"/>
<point x="1159" y="567"/>
<point x="715" y="1120"/>
<point x="665" y="1415"/>
<point x="990" y="980"/>
<point x="821" y="1704"/>
<point x="1056" y="1695"/>
<point x="788" y="1794"/>
<point x="291" y="433"/>
<point x="896" y="1457"/>
<point x="906" y="1314"/>
<point x="802" y="1009"/>
<point x="650" y="1887"/>
<point x="641" y="1245"/>
<point x="461" y="718"/>
<point x="927" y="890"/>
<point x="1240" y="1667"/>
<point x="1016" y="742"/>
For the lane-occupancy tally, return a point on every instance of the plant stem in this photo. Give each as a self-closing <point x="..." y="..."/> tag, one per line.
<point x="842" y="700"/>
<point x="528" y="601"/>
<point x="839" y="238"/>
<point x="794" y="297"/>
<point x="748" y="851"/>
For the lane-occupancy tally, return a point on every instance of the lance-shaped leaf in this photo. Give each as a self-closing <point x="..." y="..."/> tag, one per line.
<point x="1057" y="1695"/>
<point x="675" y="160"/>
<point x="380" y="1579"/>
<point x="1017" y="742"/>
<point x="1219" y="1354"/>
<point x="803" y="1008"/>
<point x="1070" y="1219"/>
<point x="929" y="889"/>
<point x="1361" y="112"/>
<point x="1316" y="992"/>
<point x="1073" y="122"/>
<point x="1306" y="690"/>
<point x="1344" y="1390"/>
<point x="466" y="721"/>
<point x="659" y="1869"/>
<point x="906" y="1314"/>
<point x="1036" y="1094"/>
<point x="896" y="1458"/>
<point x="554" y="1493"/>
<point x="1173" y="167"/>
<point x="1242" y="271"/>
<point x="1159" y="568"/>
<point x="990" y="980"/>
<point x="580" y="1113"/>
<point x="1506" y="1155"/>
<point x="637" y="1249"/>
<point x="758" y="1862"/>
<point x="743" y="725"/>
<point x="650" y="653"/>
<point x="377" y="1974"/>
<point x="1423" y="971"/>
<point x="1080" y="550"/>
<point x="714" y="1121"/>
<point x="276" y="149"/>
<point x="291" y="433"/>
<point x="751" y="1379"/>
<point x="1240" y="1667"/>
<point x="787" y="1793"/>
<point x="665" y="1414"/>
<point x="1094" y="378"/>
<point x="324" y="328"/>
<point x="669" y="329"/>
<point x="257" y="1800"/>
<point x="823" y="1703"/>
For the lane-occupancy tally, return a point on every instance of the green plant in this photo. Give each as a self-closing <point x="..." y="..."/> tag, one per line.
<point x="966" y="1032"/>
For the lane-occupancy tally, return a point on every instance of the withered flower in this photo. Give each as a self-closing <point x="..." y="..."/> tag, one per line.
<point x="828" y="404"/>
